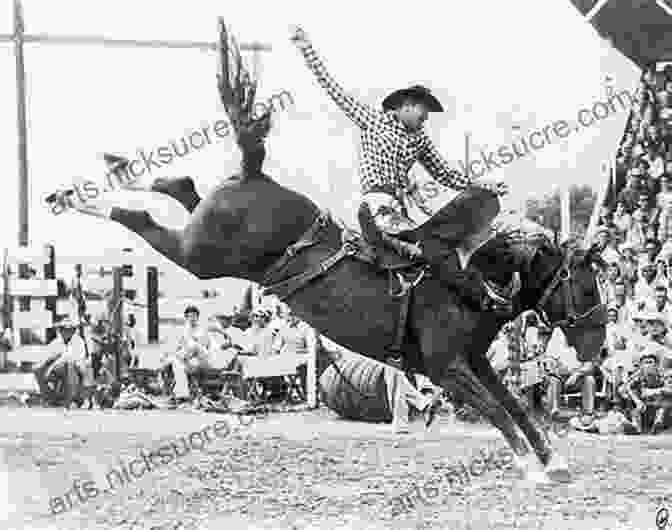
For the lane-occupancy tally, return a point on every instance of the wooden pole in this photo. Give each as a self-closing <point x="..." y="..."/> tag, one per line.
<point x="21" y="123"/>
<point x="466" y="153"/>
<point x="152" y="305"/>
<point x="117" y="316"/>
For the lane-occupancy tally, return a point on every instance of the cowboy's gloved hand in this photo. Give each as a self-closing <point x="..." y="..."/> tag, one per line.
<point x="299" y="37"/>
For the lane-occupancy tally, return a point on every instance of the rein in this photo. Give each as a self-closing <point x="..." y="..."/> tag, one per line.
<point x="563" y="277"/>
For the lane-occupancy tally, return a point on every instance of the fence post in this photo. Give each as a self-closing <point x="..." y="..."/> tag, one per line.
<point x="51" y="301"/>
<point x="152" y="305"/>
<point x="117" y="315"/>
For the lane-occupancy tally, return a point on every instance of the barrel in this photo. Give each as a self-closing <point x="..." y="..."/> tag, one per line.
<point x="354" y="387"/>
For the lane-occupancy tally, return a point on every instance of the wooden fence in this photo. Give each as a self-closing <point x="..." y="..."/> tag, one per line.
<point x="33" y="294"/>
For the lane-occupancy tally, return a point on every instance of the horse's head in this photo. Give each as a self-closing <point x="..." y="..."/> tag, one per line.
<point x="562" y="287"/>
<point x="243" y="226"/>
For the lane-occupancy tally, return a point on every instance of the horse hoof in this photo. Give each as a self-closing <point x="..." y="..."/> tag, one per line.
<point x="557" y="469"/>
<point x="531" y="469"/>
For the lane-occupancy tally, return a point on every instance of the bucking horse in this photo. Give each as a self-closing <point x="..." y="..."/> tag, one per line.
<point x="251" y="227"/>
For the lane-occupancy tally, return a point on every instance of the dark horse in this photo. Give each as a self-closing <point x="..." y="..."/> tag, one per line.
<point x="244" y="227"/>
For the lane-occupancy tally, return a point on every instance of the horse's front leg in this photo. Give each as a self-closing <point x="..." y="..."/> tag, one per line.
<point x="555" y="466"/>
<point x="459" y="378"/>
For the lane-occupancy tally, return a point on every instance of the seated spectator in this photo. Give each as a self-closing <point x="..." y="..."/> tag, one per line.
<point x="68" y="364"/>
<point x="622" y="221"/>
<point x="610" y="253"/>
<point x="194" y="345"/>
<point x="629" y="265"/>
<point x="621" y="303"/>
<point x="192" y="353"/>
<point x="645" y="286"/>
<point x="661" y="273"/>
<point x="605" y="217"/>
<point x="630" y="193"/>
<point x="608" y="283"/>
<point x="259" y="339"/>
<point x="646" y="377"/>
<point x="660" y="399"/>
<point x="636" y="236"/>
<point x="296" y="337"/>
<point x="650" y="252"/>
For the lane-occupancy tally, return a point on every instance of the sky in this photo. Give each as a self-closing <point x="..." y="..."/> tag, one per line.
<point x="492" y="64"/>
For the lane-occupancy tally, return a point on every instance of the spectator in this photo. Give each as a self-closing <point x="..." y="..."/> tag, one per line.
<point x="259" y="339"/>
<point x="618" y="360"/>
<point x="629" y="265"/>
<point x="622" y="221"/>
<point x="235" y="335"/>
<point x="192" y="353"/>
<point x="636" y="236"/>
<point x="650" y="252"/>
<point x="646" y="377"/>
<point x="645" y="286"/>
<point x="660" y="399"/>
<point x="297" y="338"/>
<point x="630" y="193"/>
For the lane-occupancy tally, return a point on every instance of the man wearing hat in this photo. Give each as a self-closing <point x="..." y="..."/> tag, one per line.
<point x="71" y="365"/>
<point x="647" y="377"/>
<point x="392" y="140"/>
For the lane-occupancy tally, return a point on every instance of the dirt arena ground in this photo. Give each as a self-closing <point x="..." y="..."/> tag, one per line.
<point x="312" y="470"/>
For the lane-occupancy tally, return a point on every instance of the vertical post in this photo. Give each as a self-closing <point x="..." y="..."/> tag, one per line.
<point x="565" y="214"/>
<point x="311" y="376"/>
<point x="51" y="301"/>
<point x="152" y="305"/>
<point x="466" y="153"/>
<point x="116" y="316"/>
<point x="21" y="122"/>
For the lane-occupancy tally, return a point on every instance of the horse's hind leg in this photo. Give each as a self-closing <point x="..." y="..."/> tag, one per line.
<point x="181" y="189"/>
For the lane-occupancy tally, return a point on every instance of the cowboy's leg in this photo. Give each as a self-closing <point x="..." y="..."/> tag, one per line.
<point x="382" y="219"/>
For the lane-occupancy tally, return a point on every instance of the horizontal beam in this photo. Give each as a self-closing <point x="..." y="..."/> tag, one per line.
<point x="126" y="43"/>
<point x="33" y="287"/>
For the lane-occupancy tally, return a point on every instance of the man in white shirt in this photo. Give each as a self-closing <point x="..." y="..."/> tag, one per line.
<point x="72" y="366"/>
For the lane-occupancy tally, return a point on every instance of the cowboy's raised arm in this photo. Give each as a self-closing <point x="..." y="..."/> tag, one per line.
<point x="361" y="114"/>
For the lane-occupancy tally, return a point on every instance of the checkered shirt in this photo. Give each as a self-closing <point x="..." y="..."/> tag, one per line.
<point x="388" y="149"/>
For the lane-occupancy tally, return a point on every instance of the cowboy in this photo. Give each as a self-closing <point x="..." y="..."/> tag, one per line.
<point x="392" y="141"/>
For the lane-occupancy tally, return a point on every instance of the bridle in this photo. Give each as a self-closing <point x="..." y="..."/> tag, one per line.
<point x="563" y="277"/>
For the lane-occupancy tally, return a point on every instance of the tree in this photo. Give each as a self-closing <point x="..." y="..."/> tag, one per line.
<point x="546" y="210"/>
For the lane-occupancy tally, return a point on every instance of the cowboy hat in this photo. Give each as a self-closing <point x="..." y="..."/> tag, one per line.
<point x="416" y="92"/>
